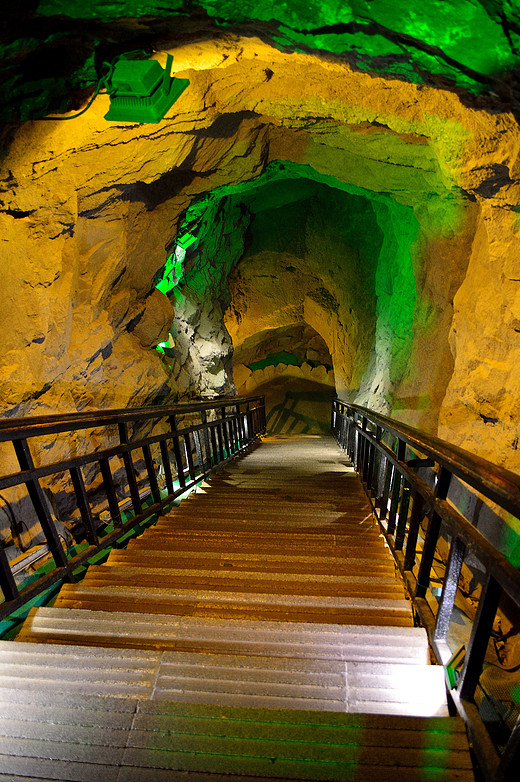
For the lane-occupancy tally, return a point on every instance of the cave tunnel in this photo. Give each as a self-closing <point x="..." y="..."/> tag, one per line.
<point x="305" y="200"/>
<point x="347" y="177"/>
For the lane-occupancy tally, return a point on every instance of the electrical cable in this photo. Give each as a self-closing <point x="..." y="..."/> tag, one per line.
<point x="103" y="81"/>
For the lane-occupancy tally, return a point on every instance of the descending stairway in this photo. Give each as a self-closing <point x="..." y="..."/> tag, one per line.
<point x="258" y="630"/>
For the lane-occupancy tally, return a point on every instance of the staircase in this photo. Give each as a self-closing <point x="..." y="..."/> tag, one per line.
<point x="258" y="630"/>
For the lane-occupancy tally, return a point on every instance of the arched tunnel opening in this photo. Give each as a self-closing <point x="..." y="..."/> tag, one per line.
<point x="313" y="252"/>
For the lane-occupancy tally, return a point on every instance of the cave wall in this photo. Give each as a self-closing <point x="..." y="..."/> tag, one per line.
<point x="90" y="210"/>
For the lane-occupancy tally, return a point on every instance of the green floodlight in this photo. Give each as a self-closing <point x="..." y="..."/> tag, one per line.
<point x="141" y="91"/>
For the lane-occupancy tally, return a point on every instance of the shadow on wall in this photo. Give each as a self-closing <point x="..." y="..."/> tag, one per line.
<point x="295" y="406"/>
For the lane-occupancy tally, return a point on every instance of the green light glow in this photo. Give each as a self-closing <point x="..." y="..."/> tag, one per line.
<point x="379" y="229"/>
<point x="466" y="41"/>
<point x="171" y="275"/>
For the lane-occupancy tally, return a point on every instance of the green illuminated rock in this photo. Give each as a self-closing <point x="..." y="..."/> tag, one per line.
<point x="469" y="45"/>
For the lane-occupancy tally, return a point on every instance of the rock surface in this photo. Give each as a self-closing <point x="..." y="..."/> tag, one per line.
<point x="91" y="210"/>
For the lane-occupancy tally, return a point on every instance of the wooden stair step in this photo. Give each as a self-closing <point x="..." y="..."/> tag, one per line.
<point x="111" y="628"/>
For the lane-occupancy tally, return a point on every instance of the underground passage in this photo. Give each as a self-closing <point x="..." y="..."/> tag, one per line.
<point x="259" y="398"/>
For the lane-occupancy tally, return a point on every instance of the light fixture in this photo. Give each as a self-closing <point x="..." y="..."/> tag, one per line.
<point x="141" y="91"/>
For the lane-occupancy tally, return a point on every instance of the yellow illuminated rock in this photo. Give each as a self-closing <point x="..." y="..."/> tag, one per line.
<point x="93" y="209"/>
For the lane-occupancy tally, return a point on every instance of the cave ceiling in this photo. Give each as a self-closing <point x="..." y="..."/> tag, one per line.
<point x="53" y="50"/>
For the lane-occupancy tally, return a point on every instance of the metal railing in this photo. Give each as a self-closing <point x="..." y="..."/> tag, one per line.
<point x="430" y="497"/>
<point x="176" y="446"/>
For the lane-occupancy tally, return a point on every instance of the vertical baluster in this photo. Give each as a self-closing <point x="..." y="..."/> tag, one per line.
<point x="363" y="443"/>
<point x="400" y="531"/>
<point x="205" y="432"/>
<point x="239" y="425"/>
<point x="356" y="443"/>
<point x="152" y="477"/>
<point x="231" y="435"/>
<point x="480" y="635"/>
<point x="83" y="505"/>
<point x="416" y="518"/>
<point x="449" y="589"/>
<point x="214" y="444"/>
<point x="352" y="438"/>
<point x="370" y="456"/>
<point x="432" y="534"/>
<point x="168" y="477"/>
<point x="510" y="761"/>
<point x="388" y="469"/>
<point x="375" y="464"/>
<point x="129" y="470"/>
<point x="177" y="452"/>
<point x="395" y="495"/>
<point x="108" y="485"/>
<point x="198" y="450"/>
<point x="7" y="582"/>
<point x="37" y="496"/>
<point x="225" y="433"/>
<point x="248" y="423"/>
<point x="396" y="487"/>
<point x="189" y="455"/>
<point x="220" y="441"/>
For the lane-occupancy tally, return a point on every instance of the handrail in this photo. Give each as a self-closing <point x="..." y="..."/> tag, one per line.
<point x="410" y="483"/>
<point x="498" y="484"/>
<point x="185" y="441"/>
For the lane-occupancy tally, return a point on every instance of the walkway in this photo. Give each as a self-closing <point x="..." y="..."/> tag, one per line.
<point x="258" y="630"/>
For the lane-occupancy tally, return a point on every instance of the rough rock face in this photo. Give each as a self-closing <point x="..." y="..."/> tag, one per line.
<point x="91" y="210"/>
<point x="53" y="49"/>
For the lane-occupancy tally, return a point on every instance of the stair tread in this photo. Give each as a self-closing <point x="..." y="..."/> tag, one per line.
<point x="224" y="647"/>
